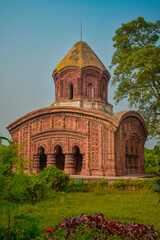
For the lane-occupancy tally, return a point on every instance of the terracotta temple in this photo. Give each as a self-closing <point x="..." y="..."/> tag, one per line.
<point x="79" y="133"/>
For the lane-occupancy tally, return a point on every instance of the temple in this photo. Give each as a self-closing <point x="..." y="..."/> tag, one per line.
<point x="79" y="133"/>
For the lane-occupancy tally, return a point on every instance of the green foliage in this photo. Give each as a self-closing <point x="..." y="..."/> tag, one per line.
<point x="121" y="183"/>
<point x="103" y="182"/>
<point x="137" y="69"/>
<point x="13" y="189"/>
<point x="75" y="186"/>
<point x="80" y="233"/>
<point x="54" y="178"/>
<point x="152" y="158"/>
<point x="135" y="184"/>
<point x="156" y="187"/>
<point x="24" y="228"/>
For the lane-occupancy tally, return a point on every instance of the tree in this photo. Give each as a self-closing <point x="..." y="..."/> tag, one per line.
<point x="137" y="69"/>
<point x="152" y="158"/>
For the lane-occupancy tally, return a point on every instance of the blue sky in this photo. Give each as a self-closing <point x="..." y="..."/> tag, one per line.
<point x="35" y="36"/>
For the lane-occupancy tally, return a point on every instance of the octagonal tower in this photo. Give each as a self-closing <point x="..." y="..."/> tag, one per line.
<point x="81" y="80"/>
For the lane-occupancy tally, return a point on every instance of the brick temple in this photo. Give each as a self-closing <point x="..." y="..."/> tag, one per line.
<point x="79" y="133"/>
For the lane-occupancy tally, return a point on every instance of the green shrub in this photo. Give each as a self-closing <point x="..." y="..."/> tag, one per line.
<point x="54" y="178"/>
<point x="24" y="228"/>
<point x="36" y="191"/>
<point x="103" y="182"/>
<point x="75" y="186"/>
<point x="90" y="186"/>
<point x="121" y="183"/>
<point x="142" y="183"/>
<point x="136" y="183"/>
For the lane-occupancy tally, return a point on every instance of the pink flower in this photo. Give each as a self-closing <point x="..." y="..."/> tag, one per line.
<point x="49" y="230"/>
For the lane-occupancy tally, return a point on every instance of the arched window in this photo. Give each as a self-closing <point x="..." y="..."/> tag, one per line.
<point x="58" y="93"/>
<point x="103" y="94"/>
<point x="70" y="93"/>
<point x="42" y="158"/>
<point x="90" y="91"/>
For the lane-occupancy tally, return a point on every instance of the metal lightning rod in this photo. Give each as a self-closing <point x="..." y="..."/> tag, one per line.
<point x="81" y="31"/>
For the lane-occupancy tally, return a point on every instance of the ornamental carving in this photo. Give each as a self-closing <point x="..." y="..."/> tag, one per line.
<point x="41" y="143"/>
<point x="58" y="122"/>
<point x="76" y="142"/>
<point x="70" y="123"/>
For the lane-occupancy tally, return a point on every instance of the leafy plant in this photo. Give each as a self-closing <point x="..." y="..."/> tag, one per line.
<point x="54" y="178"/>
<point x="75" y="186"/>
<point x="103" y="182"/>
<point x="152" y="158"/>
<point x="13" y="186"/>
<point x="121" y="183"/>
<point x="156" y="187"/>
<point x="97" y="227"/>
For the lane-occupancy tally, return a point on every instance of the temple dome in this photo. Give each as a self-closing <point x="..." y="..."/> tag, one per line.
<point x="81" y="55"/>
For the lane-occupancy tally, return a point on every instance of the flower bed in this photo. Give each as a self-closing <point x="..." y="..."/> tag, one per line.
<point x="101" y="229"/>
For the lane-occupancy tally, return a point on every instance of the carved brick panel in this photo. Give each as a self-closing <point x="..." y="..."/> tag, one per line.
<point x="81" y="125"/>
<point x="70" y="123"/>
<point x="94" y="148"/>
<point x="58" y="122"/>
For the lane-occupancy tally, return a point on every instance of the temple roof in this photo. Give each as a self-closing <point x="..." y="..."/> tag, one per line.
<point x="81" y="55"/>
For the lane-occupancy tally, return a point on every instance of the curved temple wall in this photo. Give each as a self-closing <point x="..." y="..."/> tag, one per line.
<point x="98" y="137"/>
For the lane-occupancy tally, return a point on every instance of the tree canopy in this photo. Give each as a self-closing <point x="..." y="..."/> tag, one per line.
<point x="137" y="69"/>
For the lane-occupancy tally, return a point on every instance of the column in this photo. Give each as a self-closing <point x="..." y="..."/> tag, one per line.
<point x="83" y="171"/>
<point x="51" y="159"/>
<point x="36" y="163"/>
<point x="69" y="163"/>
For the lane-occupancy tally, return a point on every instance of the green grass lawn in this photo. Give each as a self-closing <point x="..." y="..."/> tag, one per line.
<point x="139" y="206"/>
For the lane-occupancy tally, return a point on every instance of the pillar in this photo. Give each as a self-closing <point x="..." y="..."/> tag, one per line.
<point x="51" y="159"/>
<point x="83" y="171"/>
<point x="36" y="163"/>
<point x="69" y="163"/>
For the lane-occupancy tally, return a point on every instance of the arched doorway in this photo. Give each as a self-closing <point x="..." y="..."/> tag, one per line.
<point x="77" y="160"/>
<point x="60" y="158"/>
<point x="42" y="158"/>
<point x="70" y="94"/>
<point x="132" y="156"/>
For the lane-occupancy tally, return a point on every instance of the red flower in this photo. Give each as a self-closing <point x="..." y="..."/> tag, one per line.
<point x="49" y="179"/>
<point x="61" y="185"/>
<point x="49" y="230"/>
<point x="56" y="182"/>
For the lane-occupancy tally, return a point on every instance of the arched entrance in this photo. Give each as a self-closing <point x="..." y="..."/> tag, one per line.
<point x="77" y="160"/>
<point x="42" y="158"/>
<point x="132" y="156"/>
<point x="60" y="158"/>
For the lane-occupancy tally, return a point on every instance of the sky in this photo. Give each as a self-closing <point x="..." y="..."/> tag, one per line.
<point x="35" y="35"/>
